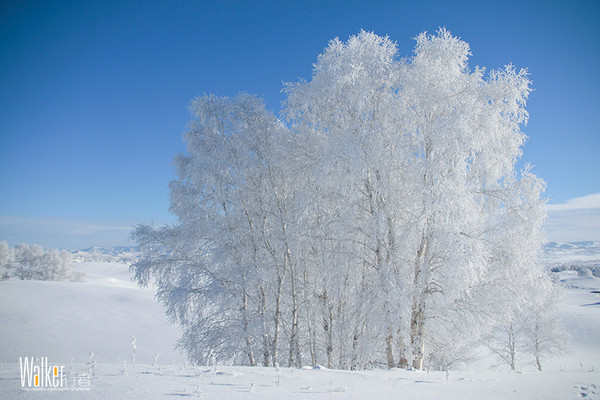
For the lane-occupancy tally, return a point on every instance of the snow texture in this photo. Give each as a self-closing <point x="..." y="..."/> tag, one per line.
<point x="61" y="320"/>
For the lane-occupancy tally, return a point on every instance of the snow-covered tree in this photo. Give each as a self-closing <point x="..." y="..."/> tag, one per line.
<point x="28" y="260"/>
<point x="33" y="262"/>
<point x="56" y="265"/>
<point x="532" y="332"/>
<point x="224" y="269"/>
<point x="5" y="259"/>
<point x="431" y="147"/>
<point x="384" y="223"/>
<point x="544" y="335"/>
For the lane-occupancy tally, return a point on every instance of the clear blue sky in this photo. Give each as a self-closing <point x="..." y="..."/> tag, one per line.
<point x="93" y="95"/>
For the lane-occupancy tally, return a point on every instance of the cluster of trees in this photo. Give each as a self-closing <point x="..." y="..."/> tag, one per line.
<point x="33" y="262"/>
<point x="531" y="334"/>
<point x="381" y="222"/>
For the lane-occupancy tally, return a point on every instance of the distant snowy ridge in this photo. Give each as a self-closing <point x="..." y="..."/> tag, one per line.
<point x="582" y="257"/>
<point x="119" y="254"/>
<point x="592" y="247"/>
<point x="564" y="252"/>
<point x="554" y="253"/>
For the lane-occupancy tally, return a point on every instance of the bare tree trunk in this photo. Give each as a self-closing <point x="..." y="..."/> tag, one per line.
<point x="417" y="337"/>
<point x="536" y="344"/>
<point x="512" y="347"/>
<point x="266" y="336"/>
<point x="277" y="320"/>
<point x="417" y="323"/>
<point x="328" y="326"/>
<point x="358" y="333"/>
<point x="246" y="331"/>
<point x="354" y="360"/>
<point x="295" y="359"/>
<point x="311" y="333"/>
<point x="402" y="360"/>
<point x="341" y="317"/>
<point x="389" y="351"/>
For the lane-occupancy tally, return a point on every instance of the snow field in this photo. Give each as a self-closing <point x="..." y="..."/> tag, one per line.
<point x="164" y="382"/>
<point x="65" y="321"/>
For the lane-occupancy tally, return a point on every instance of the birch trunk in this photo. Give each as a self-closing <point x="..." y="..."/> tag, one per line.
<point x="277" y="321"/>
<point x="402" y="360"/>
<point x="417" y="324"/>
<point x="266" y="336"/>
<point x="295" y="358"/>
<point x="246" y="331"/>
<point x="311" y="333"/>
<point x="389" y="351"/>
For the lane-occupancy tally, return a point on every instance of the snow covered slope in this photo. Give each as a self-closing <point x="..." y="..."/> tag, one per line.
<point x="581" y="315"/>
<point x="65" y="321"/>
<point x="61" y="320"/>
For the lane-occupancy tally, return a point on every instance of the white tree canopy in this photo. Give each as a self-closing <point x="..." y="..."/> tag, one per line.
<point x="382" y="223"/>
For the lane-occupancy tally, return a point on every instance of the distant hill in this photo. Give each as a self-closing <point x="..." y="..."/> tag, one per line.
<point x="583" y="257"/>
<point x="571" y="251"/>
<point x="587" y="245"/>
<point x="554" y="254"/>
<point x="122" y="254"/>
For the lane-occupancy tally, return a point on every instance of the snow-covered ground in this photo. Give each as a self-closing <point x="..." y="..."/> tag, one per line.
<point x="66" y="321"/>
<point x="581" y="316"/>
<point x="61" y="320"/>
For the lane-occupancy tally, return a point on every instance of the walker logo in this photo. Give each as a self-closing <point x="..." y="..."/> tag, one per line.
<point x="38" y="374"/>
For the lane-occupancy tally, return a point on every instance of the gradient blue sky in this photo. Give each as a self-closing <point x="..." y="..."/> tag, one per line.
<point x="93" y="95"/>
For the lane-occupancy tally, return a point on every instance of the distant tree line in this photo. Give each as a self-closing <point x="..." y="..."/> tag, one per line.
<point x="34" y="262"/>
